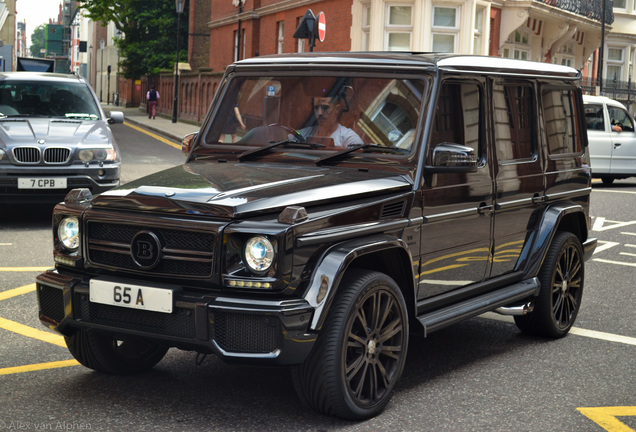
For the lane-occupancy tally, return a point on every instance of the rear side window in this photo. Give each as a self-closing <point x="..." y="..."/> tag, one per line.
<point x="594" y="117"/>
<point x="514" y="121"/>
<point x="561" y="121"/>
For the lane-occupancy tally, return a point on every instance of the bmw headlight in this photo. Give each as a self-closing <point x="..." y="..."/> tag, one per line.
<point x="259" y="254"/>
<point x="98" y="154"/>
<point x="68" y="233"/>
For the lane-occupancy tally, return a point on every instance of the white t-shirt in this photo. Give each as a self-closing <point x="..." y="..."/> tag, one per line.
<point x="342" y="136"/>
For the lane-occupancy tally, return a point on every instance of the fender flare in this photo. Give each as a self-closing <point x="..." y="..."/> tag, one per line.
<point x="540" y="239"/>
<point x="333" y="264"/>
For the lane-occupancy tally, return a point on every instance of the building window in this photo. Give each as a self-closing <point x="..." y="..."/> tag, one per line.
<point x="614" y="63"/>
<point x="565" y="55"/>
<point x="366" y="26"/>
<point x="281" y="36"/>
<point x="398" y="28"/>
<point x="478" y="31"/>
<point x="445" y="29"/>
<point x="620" y="4"/>
<point x="518" y="46"/>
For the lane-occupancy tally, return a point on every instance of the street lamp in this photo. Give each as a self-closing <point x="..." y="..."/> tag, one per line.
<point x="239" y="4"/>
<point x="180" y="4"/>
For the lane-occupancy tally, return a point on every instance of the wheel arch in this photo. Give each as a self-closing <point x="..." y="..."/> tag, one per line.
<point x="384" y="254"/>
<point x="566" y="216"/>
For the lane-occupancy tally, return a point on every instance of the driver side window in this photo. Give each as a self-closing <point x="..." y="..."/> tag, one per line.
<point x="619" y="117"/>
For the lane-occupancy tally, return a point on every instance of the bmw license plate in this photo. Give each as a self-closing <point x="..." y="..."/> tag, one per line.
<point x="131" y="295"/>
<point x="42" y="183"/>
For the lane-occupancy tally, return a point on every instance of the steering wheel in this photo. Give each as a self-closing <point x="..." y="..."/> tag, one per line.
<point x="291" y="131"/>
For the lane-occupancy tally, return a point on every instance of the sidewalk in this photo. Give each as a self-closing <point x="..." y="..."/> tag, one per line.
<point x="160" y="125"/>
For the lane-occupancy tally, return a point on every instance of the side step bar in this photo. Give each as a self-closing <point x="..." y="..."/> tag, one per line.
<point x="476" y="306"/>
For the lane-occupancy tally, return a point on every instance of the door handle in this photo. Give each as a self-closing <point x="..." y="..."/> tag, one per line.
<point x="484" y="209"/>
<point x="617" y="145"/>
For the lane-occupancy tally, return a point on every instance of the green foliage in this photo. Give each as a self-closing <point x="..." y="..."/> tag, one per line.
<point x="38" y="41"/>
<point x="149" y="32"/>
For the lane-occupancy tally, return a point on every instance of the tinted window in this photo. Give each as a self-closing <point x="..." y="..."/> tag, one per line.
<point x="514" y="121"/>
<point x="562" y="133"/>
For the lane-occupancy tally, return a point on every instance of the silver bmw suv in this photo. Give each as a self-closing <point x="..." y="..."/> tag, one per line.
<point x="54" y="137"/>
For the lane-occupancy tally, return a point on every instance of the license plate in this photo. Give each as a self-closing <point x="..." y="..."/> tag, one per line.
<point x="131" y="295"/>
<point x="42" y="183"/>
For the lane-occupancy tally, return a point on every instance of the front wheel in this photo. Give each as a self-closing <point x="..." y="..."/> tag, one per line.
<point x="559" y="299"/>
<point x="360" y="352"/>
<point x="111" y="355"/>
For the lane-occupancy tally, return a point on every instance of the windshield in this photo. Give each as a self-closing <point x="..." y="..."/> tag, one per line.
<point x="317" y="113"/>
<point x="47" y="99"/>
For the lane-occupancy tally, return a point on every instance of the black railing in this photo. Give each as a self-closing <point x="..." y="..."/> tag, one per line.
<point x="593" y="9"/>
<point x="622" y="91"/>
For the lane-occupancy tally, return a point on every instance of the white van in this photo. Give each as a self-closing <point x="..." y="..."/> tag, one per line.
<point x="612" y="139"/>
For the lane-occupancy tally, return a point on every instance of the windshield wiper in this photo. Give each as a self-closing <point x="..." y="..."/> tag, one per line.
<point x="266" y="148"/>
<point x="353" y="148"/>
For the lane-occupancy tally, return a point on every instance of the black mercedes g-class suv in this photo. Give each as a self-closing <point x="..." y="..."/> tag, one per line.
<point x="330" y="205"/>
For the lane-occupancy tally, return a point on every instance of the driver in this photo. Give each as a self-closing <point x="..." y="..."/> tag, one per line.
<point x="327" y="110"/>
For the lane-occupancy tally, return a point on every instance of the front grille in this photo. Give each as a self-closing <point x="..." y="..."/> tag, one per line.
<point x="27" y="155"/>
<point x="183" y="253"/>
<point x="180" y="323"/>
<point x="246" y="332"/>
<point x="51" y="302"/>
<point x="56" y="155"/>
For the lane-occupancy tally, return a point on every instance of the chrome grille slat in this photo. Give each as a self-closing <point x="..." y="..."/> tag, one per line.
<point x="27" y="155"/>
<point x="57" y="155"/>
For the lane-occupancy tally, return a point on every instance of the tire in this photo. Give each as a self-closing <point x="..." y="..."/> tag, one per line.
<point x="111" y="355"/>
<point x="360" y="352"/>
<point x="607" y="181"/>
<point x="559" y="299"/>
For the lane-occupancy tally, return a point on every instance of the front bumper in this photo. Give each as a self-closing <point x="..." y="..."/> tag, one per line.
<point x="237" y="330"/>
<point x="96" y="178"/>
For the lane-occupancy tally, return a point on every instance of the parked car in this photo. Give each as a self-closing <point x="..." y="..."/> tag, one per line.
<point x="54" y="137"/>
<point x="369" y="196"/>
<point x="612" y="138"/>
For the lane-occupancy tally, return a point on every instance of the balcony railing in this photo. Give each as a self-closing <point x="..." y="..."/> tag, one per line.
<point x="623" y="91"/>
<point x="592" y="9"/>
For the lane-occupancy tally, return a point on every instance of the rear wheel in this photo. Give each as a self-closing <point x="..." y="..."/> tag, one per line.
<point x="561" y="291"/>
<point x="111" y="355"/>
<point x="360" y="352"/>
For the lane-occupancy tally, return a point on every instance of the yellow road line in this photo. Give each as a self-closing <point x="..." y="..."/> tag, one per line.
<point x="17" y="291"/>
<point x="605" y="417"/>
<point x="24" y="330"/>
<point x="155" y="136"/>
<point x="38" y="366"/>
<point x="24" y="269"/>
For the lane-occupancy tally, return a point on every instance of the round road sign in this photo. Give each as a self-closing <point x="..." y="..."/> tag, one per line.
<point x="322" y="27"/>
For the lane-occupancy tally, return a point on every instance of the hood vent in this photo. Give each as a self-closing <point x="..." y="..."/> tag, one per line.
<point x="393" y="210"/>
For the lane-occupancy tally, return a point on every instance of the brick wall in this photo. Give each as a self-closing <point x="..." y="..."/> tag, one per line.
<point x="259" y="25"/>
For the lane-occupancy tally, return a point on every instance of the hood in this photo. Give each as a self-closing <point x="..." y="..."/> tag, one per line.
<point x="29" y="131"/>
<point x="230" y="190"/>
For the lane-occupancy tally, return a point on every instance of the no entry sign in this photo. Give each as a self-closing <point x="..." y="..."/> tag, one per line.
<point x="322" y="27"/>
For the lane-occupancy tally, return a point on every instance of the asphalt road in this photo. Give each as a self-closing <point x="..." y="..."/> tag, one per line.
<point x="479" y="375"/>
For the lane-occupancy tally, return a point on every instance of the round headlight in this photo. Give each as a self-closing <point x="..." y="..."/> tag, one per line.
<point x="86" y="155"/>
<point x="68" y="233"/>
<point x="259" y="254"/>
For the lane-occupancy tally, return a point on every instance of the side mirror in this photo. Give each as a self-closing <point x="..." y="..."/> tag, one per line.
<point x="116" y="117"/>
<point x="449" y="157"/>
<point x="188" y="142"/>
